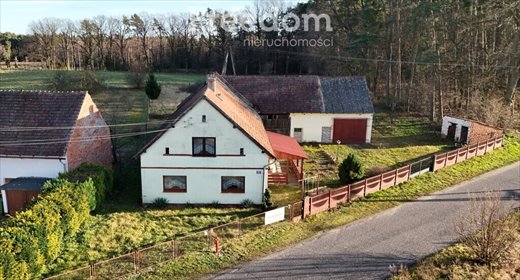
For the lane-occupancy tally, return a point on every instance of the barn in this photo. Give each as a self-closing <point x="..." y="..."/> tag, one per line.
<point x="311" y="108"/>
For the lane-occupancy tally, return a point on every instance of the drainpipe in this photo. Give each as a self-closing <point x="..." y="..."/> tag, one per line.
<point x="64" y="165"/>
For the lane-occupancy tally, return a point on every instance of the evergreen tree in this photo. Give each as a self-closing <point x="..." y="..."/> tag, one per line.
<point x="350" y="170"/>
<point x="153" y="89"/>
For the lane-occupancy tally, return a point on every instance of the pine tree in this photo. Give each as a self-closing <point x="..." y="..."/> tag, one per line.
<point x="350" y="170"/>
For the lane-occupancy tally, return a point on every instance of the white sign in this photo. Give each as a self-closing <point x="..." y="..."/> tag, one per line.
<point x="274" y="216"/>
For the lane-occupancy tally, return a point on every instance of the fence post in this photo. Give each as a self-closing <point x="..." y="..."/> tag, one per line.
<point x="395" y="177"/>
<point x="409" y="172"/>
<point x="239" y="228"/>
<point x="330" y="198"/>
<point x="91" y="271"/>
<point x="348" y="199"/>
<point x="365" y="188"/>
<point x="173" y="249"/>
<point x="380" y="181"/>
<point x="291" y="212"/>
<point x="135" y="255"/>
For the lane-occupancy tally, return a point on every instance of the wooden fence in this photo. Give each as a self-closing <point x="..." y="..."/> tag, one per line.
<point x="467" y="152"/>
<point x="325" y="201"/>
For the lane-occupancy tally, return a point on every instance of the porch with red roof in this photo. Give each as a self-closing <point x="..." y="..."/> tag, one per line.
<point x="290" y="157"/>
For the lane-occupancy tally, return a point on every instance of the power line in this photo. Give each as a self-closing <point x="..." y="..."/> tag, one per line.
<point x="350" y="58"/>
<point x="37" y="128"/>
<point x="77" y="140"/>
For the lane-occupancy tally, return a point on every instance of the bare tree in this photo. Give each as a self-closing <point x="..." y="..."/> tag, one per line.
<point x="479" y="227"/>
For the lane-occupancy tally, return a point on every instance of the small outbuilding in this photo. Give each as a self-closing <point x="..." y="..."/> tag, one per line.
<point x="467" y="131"/>
<point x="19" y="192"/>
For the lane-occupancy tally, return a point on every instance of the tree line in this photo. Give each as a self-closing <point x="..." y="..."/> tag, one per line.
<point x="435" y="57"/>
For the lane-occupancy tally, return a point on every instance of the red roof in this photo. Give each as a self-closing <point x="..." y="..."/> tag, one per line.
<point x="285" y="147"/>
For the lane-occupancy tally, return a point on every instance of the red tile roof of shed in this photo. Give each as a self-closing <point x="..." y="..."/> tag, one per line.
<point x="283" y="144"/>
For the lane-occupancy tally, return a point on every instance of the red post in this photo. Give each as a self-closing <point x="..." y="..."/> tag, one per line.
<point x="348" y="199"/>
<point x="217" y="241"/>
<point x="409" y="171"/>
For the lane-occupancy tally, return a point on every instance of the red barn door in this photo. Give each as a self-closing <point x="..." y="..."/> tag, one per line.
<point x="349" y="131"/>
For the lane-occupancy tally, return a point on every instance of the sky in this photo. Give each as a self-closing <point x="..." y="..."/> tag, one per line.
<point x="16" y="15"/>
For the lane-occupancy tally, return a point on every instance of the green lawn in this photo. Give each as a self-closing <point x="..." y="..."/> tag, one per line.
<point x="277" y="236"/>
<point x="40" y="80"/>
<point x="396" y="141"/>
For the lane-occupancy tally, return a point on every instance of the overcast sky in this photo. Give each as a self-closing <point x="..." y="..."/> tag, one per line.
<point x="16" y="15"/>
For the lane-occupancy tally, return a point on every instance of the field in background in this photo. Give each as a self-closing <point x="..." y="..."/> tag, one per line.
<point x="40" y="80"/>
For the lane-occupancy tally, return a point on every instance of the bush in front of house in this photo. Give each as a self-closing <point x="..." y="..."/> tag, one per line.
<point x="160" y="203"/>
<point x="350" y="170"/>
<point x="101" y="176"/>
<point x="267" y="202"/>
<point x="35" y="237"/>
<point x="247" y="203"/>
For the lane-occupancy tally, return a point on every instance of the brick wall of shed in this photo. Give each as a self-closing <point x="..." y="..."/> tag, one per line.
<point x="480" y="132"/>
<point x="82" y="148"/>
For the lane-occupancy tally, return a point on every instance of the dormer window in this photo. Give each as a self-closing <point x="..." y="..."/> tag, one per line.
<point x="203" y="118"/>
<point x="203" y="146"/>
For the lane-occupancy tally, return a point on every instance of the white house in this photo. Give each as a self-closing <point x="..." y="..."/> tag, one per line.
<point x="214" y="148"/>
<point x="46" y="133"/>
<point x="311" y="108"/>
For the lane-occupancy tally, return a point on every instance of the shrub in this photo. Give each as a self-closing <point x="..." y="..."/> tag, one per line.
<point x="247" y="203"/>
<point x="36" y="236"/>
<point x="160" y="203"/>
<point x="267" y="203"/>
<point x="350" y="170"/>
<point x="152" y="89"/>
<point x="215" y="204"/>
<point x="101" y="177"/>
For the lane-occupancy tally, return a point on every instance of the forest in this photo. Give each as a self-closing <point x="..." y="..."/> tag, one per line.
<point x="457" y="57"/>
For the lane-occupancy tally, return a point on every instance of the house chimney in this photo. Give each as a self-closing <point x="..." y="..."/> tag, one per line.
<point x="211" y="81"/>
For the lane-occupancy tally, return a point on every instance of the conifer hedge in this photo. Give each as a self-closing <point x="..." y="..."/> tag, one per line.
<point x="34" y="238"/>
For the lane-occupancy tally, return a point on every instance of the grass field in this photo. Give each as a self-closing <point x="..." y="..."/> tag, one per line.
<point x="277" y="236"/>
<point x="40" y="80"/>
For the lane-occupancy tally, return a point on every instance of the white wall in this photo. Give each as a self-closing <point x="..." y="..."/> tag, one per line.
<point x="312" y="123"/>
<point x="204" y="173"/>
<point x="446" y="121"/>
<point x="29" y="167"/>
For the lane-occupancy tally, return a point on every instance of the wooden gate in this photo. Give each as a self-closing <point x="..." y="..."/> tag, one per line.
<point x="349" y="131"/>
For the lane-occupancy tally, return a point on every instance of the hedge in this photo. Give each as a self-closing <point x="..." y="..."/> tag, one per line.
<point x="34" y="238"/>
<point x="100" y="175"/>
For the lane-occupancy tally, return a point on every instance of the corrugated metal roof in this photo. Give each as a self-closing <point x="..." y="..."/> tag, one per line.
<point x="285" y="145"/>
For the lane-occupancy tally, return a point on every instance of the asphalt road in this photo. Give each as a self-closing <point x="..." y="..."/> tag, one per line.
<point x="402" y="235"/>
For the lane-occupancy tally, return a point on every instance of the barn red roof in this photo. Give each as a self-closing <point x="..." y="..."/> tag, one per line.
<point x="285" y="146"/>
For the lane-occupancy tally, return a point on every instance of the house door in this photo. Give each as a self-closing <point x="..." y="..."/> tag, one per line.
<point x="464" y="134"/>
<point x="325" y="134"/>
<point x="451" y="131"/>
<point x="298" y="134"/>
